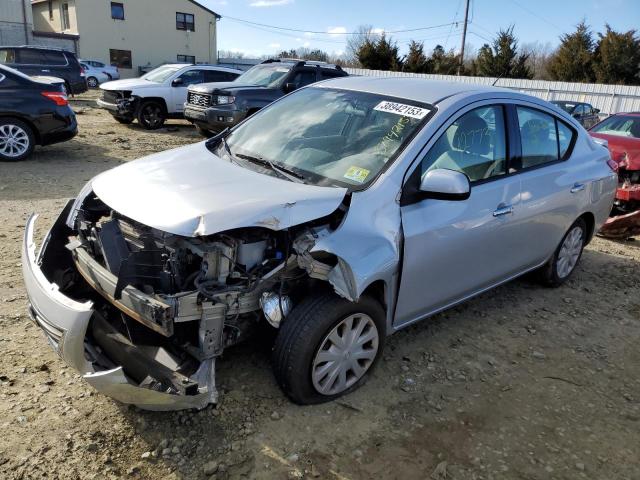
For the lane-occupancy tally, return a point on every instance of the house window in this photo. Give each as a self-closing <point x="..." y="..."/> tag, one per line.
<point x="117" y="11"/>
<point x="66" y="24"/>
<point x="187" y="58"/>
<point x="185" y="21"/>
<point x="120" y="58"/>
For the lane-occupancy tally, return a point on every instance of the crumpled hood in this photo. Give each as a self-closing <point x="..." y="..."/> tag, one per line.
<point x="191" y="192"/>
<point x="128" y="84"/>
<point x="223" y="87"/>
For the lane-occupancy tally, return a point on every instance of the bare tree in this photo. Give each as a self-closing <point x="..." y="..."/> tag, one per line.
<point x="363" y="34"/>
<point x="539" y="55"/>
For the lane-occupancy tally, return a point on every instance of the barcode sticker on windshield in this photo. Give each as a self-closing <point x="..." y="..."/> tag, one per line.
<point x="402" y="109"/>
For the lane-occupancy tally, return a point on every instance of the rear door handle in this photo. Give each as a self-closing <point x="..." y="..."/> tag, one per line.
<point x="503" y="210"/>
<point x="45" y="70"/>
<point x="578" y="187"/>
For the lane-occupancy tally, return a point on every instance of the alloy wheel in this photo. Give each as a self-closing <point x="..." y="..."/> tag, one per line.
<point x="14" y="141"/>
<point x="152" y="115"/>
<point x="345" y="354"/>
<point x="569" y="252"/>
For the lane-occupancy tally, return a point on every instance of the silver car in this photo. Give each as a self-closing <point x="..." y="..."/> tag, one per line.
<point x="338" y="215"/>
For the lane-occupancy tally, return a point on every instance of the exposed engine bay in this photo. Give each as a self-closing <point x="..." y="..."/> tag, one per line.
<point x="166" y="306"/>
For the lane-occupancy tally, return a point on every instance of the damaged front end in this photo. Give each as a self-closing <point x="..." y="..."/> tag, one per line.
<point x="624" y="221"/>
<point x="144" y="314"/>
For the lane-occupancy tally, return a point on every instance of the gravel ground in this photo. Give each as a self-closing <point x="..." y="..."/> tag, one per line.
<point x="523" y="382"/>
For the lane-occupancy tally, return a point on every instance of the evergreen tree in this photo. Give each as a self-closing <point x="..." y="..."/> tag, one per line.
<point x="443" y="62"/>
<point x="573" y="60"/>
<point x="617" y="58"/>
<point x="502" y="59"/>
<point x="381" y="54"/>
<point x="416" y="61"/>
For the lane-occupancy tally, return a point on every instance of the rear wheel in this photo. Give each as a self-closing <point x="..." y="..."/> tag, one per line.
<point x="151" y="115"/>
<point x="16" y="140"/>
<point x="563" y="262"/>
<point x="92" y="82"/>
<point x="327" y="347"/>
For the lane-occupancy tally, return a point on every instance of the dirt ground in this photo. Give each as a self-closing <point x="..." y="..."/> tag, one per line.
<point x="523" y="382"/>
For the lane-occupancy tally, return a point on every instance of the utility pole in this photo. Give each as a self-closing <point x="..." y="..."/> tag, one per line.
<point x="464" y="36"/>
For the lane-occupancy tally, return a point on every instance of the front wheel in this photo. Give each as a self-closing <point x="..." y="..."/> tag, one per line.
<point x="16" y="140"/>
<point x="151" y="115"/>
<point x="327" y="346"/>
<point x="563" y="262"/>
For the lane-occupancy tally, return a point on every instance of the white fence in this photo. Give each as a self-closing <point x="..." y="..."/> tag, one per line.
<point x="608" y="98"/>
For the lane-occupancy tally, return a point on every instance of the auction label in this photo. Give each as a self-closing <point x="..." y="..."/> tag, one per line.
<point x="402" y="109"/>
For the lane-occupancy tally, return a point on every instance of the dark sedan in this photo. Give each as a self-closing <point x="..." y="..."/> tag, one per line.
<point x="31" y="113"/>
<point x="583" y="112"/>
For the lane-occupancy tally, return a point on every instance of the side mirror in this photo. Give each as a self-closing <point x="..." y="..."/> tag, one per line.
<point x="289" y="87"/>
<point x="596" y="111"/>
<point x="176" y="82"/>
<point x="576" y="115"/>
<point x="444" y="184"/>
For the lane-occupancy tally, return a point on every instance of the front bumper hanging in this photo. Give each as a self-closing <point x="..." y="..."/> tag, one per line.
<point x="65" y="323"/>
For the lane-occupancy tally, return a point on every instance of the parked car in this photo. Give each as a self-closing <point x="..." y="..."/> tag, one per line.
<point x="32" y="113"/>
<point x="94" y="76"/>
<point x="110" y="70"/>
<point x="212" y="107"/>
<point x="34" y="60"/>
<point x="583" y="112"/>
<point x="159" y="94"/>
<point x="621" y="133"/>
<point x="339" y="214"/>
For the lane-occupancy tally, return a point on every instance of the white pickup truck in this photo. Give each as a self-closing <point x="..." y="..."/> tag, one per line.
<point x="159" y="94"/>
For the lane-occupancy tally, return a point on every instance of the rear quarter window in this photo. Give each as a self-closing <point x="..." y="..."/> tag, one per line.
<point x="54" y="58"/>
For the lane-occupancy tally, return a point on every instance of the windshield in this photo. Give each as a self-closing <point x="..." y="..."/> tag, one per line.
<point x="327" y="136"/>
<point x="160" y="74"/>
<point x="566" y="106"/>
<point x="621" y="125"/>
<point x="263" y="75"/>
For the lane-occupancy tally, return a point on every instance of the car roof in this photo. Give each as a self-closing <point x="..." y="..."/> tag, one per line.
<point x="411" y="88"/>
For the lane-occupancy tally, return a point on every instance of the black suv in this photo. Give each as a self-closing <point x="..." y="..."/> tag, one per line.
<point x="44" y="61"/>
<point x="212" y="107"/>
<point x="31" y="113"/>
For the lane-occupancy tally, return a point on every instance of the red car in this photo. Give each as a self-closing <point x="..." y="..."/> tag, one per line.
<point x="622" y="132"/>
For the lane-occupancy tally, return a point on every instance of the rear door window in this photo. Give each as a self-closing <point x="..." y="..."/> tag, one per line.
<point x="53" y="58"/>
<point x="30" y="56"/>
<point x="543" y="137"/>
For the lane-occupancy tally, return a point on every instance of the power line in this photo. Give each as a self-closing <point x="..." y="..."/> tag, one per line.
<point x="455" y="16"/>
<point x="316" y="32"/>
<point x="531" y="12"/>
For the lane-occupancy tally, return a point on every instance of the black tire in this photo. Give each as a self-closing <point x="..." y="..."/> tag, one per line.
<point x="549" y="274"/>
<point x="302" y="334"/>
<point x="20" y="135"/>
<point x="204" y="132"/>
<point x="92" y="82"/>
<point x="151" y="115"/>
<point x="123" y="120"/>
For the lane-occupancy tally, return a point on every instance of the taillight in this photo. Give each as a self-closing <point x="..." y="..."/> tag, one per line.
<point x="612" y="165"/>
<point x="60" y="98"/>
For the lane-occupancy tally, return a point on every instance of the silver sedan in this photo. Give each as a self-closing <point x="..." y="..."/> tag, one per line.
<point x="338" y="215"/>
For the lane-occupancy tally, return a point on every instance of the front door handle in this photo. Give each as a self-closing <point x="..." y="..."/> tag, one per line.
<point x="503" y="210"/>
<point x="45" y="70"/>
<point x="578" y="187"/>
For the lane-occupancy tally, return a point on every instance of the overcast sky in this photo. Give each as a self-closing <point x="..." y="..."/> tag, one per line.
<point x="534" y="20"/>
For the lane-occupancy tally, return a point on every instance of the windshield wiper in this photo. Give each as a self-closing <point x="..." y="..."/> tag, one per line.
<point x="283" y="171"/>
